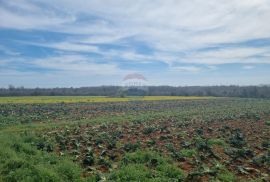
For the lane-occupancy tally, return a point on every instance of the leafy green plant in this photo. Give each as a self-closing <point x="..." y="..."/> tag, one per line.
<point x="216" y="141"/>
<point x="104" y="162"/>
<point x="89" y="158"/>
<point x="146" y="166"/>
<point x="148" y="130"/>
<point x="239" y="153"/>
<point x="266" y="144"/>
<point x="226" y="176"/>
<point x="111" y="143"/>
<point x="20" y="161"/>
<point x="131" y="147"/>
<point x="188" y="152"/>
<point x="237" y="139"/>
<point x="131" y="172"/>
<point x="202" y="144"/>
<point x="170" y="147"/>
<point x="199" y="131"/>
<point x="267" y="123"/>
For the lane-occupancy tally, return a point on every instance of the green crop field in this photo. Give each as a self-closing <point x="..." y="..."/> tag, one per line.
<point x="134" y="139"/>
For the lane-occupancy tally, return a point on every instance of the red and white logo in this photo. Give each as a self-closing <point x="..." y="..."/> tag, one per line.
<point x="134" y="80"/>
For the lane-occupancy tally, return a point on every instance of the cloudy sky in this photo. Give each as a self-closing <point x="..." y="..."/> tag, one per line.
<point x="63" y="43"/>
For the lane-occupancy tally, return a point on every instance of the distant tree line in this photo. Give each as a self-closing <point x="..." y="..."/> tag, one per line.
<point x="218" y="91"/>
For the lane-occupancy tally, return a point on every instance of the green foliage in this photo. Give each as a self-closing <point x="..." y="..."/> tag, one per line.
<point x="239" y="153"/>
<point x="162" y="125"/>
<point x="267" y="123"/>
<point x="149" y="130"/>
<point x="188" y="152"/>
<point x="226" y="176"/>
<point x="131" y="147"/>
<point x="20" y="170"/>
<point x="89" y="159"/>
<point x="202" y="144"/>
<point x="21" y="161"/>
<point x="266" y="144"/>
<point x="104" y="162"/>
<point x="146" y="166"/>
<point x="262" y="160"/>
<point x="237" y="139"/>
<point x="68" y="171"/>
<point x="216" y="141"/>
<point x="131" y="172"/>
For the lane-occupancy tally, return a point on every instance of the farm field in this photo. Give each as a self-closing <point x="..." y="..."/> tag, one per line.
<point x="134" y="139"/>
<point x="75" y="99"/>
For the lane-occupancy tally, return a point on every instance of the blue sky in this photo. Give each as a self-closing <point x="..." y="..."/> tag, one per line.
<point x="64" y="43"/>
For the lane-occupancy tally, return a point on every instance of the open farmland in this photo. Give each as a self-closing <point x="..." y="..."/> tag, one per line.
<point x="70" y="99"/>
<point x="140" y="139"/>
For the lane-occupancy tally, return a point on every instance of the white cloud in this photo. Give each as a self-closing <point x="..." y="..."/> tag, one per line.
<point x="10" y="19"/>
<point x="248" y="67"/>
<point x="3" y="62"/>
<point x="76" y="63"/>
<point x="8" y="51"/>
<point x="173" y="29"/>
<point x="72" y="47"/>
<point x="66" y="46"/>
<point x="212" y="67"/>
<point x="166" y="24"/>
<point x="186" y="68"/>
<point x="229" y="55"/>
<point x="62" y="63"/>
<point x="63" y="78"/>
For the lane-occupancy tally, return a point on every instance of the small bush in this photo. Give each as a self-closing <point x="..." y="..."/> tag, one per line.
<point x="19" y="170"/>
<point x="202" y="144"/>
<point x="146" y="166"/>
<point x="170" y="171"/>
<point x="142" y="157"/>
<point x="226" y="177"/>
<point x="237" y="139"/>
<point x="131" y="147"/>
<point x="217" y="141"/>
<point x="267" y="123"/>
<point x="21" y="161"/>
<point x="148" y="130"/>
<point x="266" y="144"/>
<point x="12" y="165"/>
<point x="188" y="152"/>
<point x="68" y="171"/>
<point x="131" y="172"/>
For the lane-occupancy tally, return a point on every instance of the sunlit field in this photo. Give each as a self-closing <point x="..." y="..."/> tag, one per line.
<point x="141" y="139"/>
<point x="74" y="99"/>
